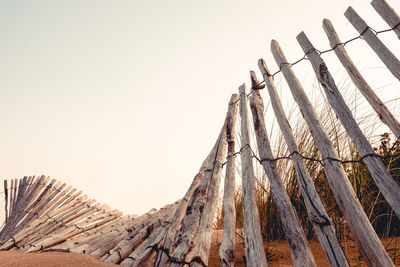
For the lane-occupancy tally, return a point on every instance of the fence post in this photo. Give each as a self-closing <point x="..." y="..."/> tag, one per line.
<point x="385" y="182"/>
<point x="168" y="239"/>
<point x="254" y="246"/>
<point x="387" y="57"/>
<point x="202" y="249"/>
<point x="317" y="214"/>
<point x="227" y="247"/>
<point x="196" y="226"/>
<point x="388" y="14"/>
<point x="294" y="234"/>
<point x="5" y="200"/>
<point x="383" y="112"/>
<point x="357" y="220"/>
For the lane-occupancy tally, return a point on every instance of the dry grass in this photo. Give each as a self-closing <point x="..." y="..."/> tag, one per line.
<point x="280" y="254"/>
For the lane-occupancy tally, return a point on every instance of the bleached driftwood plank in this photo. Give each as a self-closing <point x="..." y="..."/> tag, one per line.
<point x="388" y="14"/>
<point x="383" y="112"/>
<point x="317" y="214"/>
<point x="294" y="234"/>
<point x="26" y="201"/>
<point x="33" y="228"/>
<point x="196" y="223"/>
<point x="227" y="247"/>
<point x="254" y="246"/>
<point x="144" y="254"/>
<point x="356" y="219"/>
<point x="202" y="250"/>
<point x="134" y="238"/>
<point x="167" y="242"/>
<point x="61" y="225"/>
<point x="64" y="234"/>
<point x="138" y="243"/>
<point x="41" y="206"/>
<point x="114" y="234"/>
<point x="6" y="200"/>
<point x="78" y="241"/>
<point x="389" y="188"/>
<point x="387" y="57"/>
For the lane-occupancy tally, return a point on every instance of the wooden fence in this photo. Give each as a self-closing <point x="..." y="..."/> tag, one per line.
<point x="44" y="215"/>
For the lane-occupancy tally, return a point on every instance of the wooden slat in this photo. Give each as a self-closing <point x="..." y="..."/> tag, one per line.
<point x="34" y="227"/>
<point x="389" y="188"/>
<point x="197" y="224"/>
<point x="6" y="199"/>
<point x="388" y="14"/>
<point x="74" y="229"/>
<point x="254" y="246"/>
<point x="227" y="247"/>
<point x="121" y="231"/>
<point x="12" y="196"/>
<point x="316" y="212"/>
<point x="294" y="234"/>
<point x="383" y="112"/>
<point x="58" y="225"/>
<point x="167" y="242"/>
<point x="356" y="219"/>
<point x="41" y="206"/>
<point x="206" y="227"/>
<point x="387" y="57"/>
<point x="128" y="247"/>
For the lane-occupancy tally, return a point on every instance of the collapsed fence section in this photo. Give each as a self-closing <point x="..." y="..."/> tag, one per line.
<point x="42" y="214"/>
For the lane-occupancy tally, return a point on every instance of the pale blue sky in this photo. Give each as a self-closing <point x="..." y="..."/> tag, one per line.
<point x="124" y="99"/>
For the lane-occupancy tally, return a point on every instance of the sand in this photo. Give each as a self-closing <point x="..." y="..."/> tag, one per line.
<point x="279" y="255"/>
<point x="48" y="259"/>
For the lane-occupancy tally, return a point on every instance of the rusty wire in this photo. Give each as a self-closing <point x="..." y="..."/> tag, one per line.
<point x="258" y="87"/>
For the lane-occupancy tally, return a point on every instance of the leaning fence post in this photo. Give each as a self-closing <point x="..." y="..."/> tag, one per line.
<point x="227" y="247"/>
<point x="5" y="201"/>
<point x="388" y="14"/>
<point x="202" y="249"/>
<point x="389" y="188"/>
<point x="362" y="230"/>
<point x="294" y="234"/>
<point x="254" y="246"/>
<point x="387" y="57"/>
<point x="383" y="112"/>
<point x="317" y="214"/>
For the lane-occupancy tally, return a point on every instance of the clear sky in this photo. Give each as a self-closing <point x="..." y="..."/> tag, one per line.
<point x="124" y="99"/>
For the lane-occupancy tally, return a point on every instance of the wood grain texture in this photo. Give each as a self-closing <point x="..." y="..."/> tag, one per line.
<point x="254" y="246"/>
<point x="388" y="14"/>
<point x="385" y="182"/>
<point x="227" y="247"/>
<point x="317" y="214"/>
<point x="387" y="57"/>
<point x="382" y="111"/>
<point x="356" y="219"/>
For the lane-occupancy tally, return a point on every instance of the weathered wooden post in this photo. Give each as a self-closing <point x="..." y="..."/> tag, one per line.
<point x="387" y="57"/>
<point x="168" y="240"/>
<point x="294" y="234"/>
<point x="388" y="14"/>
<point x="227" y="247"/>
<point x="389" y="188"/>
<point x="254" y="246"/>
<point x="196" y="226"/>
<point x="357" y="220"/>
<point x="317" y="214"/>
<point x="202" y="249"/>
<point x="383" y="112"/>
<point x="5" y="200"/>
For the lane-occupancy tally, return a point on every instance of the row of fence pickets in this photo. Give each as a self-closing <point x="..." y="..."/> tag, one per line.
<point x="45" y="215"/>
